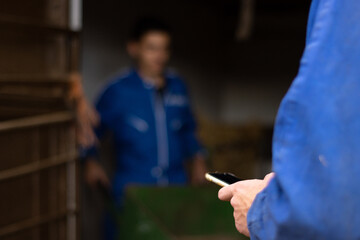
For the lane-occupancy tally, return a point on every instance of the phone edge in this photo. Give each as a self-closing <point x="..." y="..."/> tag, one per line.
<point x="215" y="180"/>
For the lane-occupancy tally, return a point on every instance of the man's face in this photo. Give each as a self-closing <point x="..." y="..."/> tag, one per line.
<point x="152" y="51"/>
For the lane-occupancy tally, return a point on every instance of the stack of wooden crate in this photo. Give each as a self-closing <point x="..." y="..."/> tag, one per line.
<point x="38" y="172"/>
<point x="240" y="149"/>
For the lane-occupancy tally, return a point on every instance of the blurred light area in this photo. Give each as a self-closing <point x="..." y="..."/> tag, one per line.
<point x="75" y="15"/>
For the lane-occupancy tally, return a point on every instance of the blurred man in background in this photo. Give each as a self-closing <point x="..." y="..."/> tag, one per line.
<point x="148" y="113"/>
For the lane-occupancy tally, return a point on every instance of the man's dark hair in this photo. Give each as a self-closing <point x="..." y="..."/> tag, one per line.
<point x="146" y="25"/>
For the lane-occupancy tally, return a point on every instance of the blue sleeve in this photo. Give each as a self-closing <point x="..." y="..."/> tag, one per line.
<point x="315" y="193"/>
<point x="105" y="107"/>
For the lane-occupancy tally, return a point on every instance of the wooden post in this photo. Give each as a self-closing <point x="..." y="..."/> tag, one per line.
<point x="246" y="19"/>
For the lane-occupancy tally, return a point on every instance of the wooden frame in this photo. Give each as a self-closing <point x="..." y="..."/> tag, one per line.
<point x="38" y="167"/>
<point x="61" y="157"/>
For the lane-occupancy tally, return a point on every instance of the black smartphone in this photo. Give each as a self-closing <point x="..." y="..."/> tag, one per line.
<point x="222" y="179"/>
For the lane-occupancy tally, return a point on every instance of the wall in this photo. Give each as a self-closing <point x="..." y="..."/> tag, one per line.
<point x="230" y="81"/>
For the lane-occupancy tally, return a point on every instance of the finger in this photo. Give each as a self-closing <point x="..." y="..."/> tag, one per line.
<point x="225" y="193"/>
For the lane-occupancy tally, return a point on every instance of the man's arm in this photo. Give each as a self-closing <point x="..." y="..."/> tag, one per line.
<point x="199" y="169"/>
<point x="86" y="116"/>
<point x="193" y="147"/>
<point x="94" y="173"/>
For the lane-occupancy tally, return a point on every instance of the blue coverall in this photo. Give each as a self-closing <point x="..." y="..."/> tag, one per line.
<point x="315" y="194"/>
<point x="153" y="131"/>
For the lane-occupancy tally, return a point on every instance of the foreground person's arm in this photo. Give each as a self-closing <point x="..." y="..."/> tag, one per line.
<point x="315" y="193"/>
<point x="241" y="196"/>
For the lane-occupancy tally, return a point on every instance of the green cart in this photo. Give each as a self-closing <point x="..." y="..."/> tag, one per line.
<point x="176" y="213"/>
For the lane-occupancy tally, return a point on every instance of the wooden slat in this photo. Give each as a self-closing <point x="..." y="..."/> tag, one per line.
<point x="31" y="93"/>
<point x="7" y="113"/>
<point x="35" y="181"/>
<point x="33" y="222"/>
<point x="29" y="109"/>
<point x="36" y="121"/>
<point x="30" y="23"/>
<point x="37" y="166"/>
<point x="33" y="78"/>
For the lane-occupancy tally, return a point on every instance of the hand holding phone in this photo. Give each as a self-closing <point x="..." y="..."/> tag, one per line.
<point x="222" y="179"/>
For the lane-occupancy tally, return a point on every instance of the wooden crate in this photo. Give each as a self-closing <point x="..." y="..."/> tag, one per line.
<point x="49" y="12"/>
<point x="38" y="50"/>
<point x="38" y="173"/>
<point x="238" y="149"/>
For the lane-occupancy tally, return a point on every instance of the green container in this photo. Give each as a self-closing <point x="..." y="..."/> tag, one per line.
<point x="176" y="213"/>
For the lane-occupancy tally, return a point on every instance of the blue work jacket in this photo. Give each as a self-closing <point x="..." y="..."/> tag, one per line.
<point x="315" y="194"/>
<point x="153" y="131"/>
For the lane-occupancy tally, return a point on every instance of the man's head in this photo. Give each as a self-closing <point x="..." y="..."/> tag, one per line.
<point x="149" y="45"/>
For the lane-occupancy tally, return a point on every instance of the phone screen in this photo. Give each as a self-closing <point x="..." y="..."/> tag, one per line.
<point x="226" y="177"/>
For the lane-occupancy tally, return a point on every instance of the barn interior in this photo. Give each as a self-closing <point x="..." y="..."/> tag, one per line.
<point x="237" y="58"/>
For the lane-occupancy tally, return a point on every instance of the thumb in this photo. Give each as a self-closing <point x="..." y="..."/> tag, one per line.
<point x="226" y="193"/>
